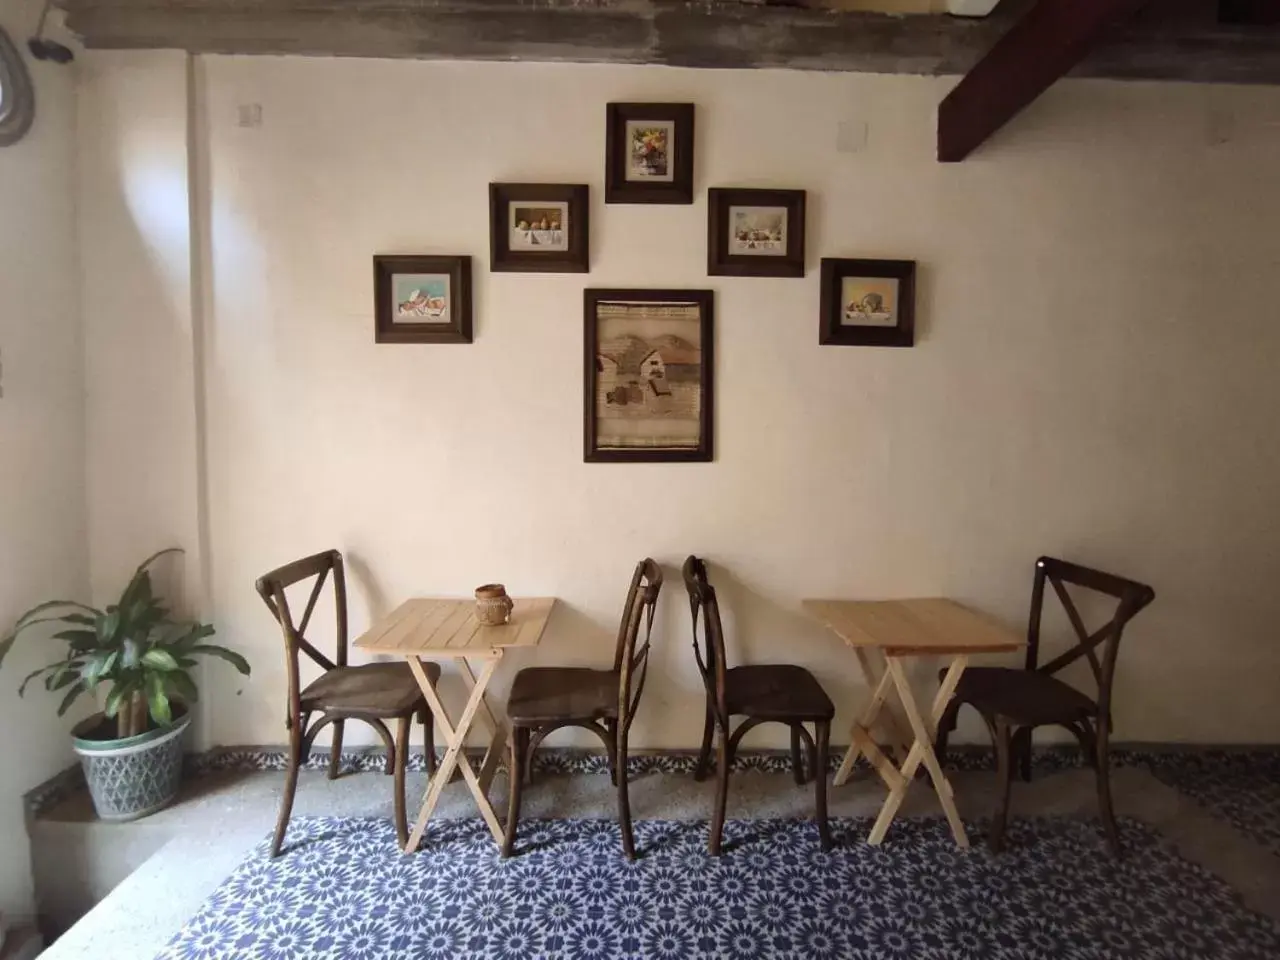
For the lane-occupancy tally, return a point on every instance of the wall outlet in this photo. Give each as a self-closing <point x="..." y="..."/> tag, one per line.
<point x="249" y="115"/>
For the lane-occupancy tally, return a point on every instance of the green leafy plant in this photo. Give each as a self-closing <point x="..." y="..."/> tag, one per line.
<point x="133" y="648"/>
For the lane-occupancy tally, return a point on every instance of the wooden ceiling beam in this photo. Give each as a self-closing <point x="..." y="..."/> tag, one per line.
<point x="1171" y="40"/>
<point x="1046" y="42"/>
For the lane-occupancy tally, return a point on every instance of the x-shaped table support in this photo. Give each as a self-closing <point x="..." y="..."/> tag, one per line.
<point x="445" y="628"/>
<point x="920" y="750"/>
<point x="892" y="632"/>
<point x="475" y="711"/>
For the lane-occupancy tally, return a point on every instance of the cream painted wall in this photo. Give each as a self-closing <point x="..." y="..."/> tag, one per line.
<point x="42" y="511"/>
<point x="145" y="489"/>
<point x="1094" y="376"/>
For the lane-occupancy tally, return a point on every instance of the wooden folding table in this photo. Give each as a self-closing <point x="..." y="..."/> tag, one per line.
<point x="440" y="629"/>
<point x="900" y="630"/>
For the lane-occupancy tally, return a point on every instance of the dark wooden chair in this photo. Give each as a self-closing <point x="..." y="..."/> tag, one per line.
<point x="374" y="692"/>
<point x="1014" y="702"/>
<point x="546" y="699"/>
<point x="763" y="693"/>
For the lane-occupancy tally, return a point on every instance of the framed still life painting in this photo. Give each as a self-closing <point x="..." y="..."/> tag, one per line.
<point x="538" y="228"/>
<point x="868" y="303"/>
<point x="649" y="366"/>
<point x="422" y="299"/>
<point x="755" y="233"/>
<point x="649" y="153"/>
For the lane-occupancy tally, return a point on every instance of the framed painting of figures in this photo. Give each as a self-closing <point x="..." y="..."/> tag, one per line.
<point x="422" y="299"/>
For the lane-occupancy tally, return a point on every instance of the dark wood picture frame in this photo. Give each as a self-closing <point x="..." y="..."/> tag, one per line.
<point x="704" y="451"/>
<point x="617" y="188"/>
<point x="576" y="259"/>
<point x="832" y="328"/>
<point x="386" y="329"/>
<point x="721" y="262"/>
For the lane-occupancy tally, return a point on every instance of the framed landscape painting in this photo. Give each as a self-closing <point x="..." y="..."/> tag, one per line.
<point x="755" y="233"/>
<point x="422" y="299"/>
<point x="648" y="153"/>
<point x="868" y="303"/>
<point x="649" y="365"/>
<point x="538" y="228"/>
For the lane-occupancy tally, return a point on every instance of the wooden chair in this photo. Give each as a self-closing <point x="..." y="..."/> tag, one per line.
<point x="545" y="699"/>
<point x="1014" y="702"/>
<point x="763" y="693"/>
<point x="374" y="692"/>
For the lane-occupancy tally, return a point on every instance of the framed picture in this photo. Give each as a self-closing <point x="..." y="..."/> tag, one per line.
<point x="755" y="233"/>
<point x="868" y="303"/>
<point x="422" y="299"/>
<point x="648" y="153"/>
<point x="648" y="376"/>
<point x="538" y="228"/>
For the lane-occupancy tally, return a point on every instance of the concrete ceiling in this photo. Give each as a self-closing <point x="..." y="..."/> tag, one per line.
<point x="1170" y="40"/>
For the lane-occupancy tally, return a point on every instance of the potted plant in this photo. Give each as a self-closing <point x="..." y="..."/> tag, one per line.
<point x="135" y="651"/>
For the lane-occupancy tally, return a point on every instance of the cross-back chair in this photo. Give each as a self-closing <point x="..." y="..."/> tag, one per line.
<point x="1014" y="702"/>
<point x="763" y="693"/>
<point x="546" y="699"/>
<point x="374" y="693"/>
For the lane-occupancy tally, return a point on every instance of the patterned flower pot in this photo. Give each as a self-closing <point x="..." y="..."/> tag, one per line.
<point x="134" y="777"/>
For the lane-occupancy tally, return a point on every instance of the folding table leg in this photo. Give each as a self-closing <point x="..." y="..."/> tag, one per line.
<point x="860" y="739"/>
<point x="896" y="727"/>
<point x="455" y="739"/>
<point x="922" y="751"/>
<point x="497" y="730"/>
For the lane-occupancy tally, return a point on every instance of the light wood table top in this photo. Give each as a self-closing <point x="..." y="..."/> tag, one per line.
<point x="930" y="625"/>
<point x="432" y="626"/>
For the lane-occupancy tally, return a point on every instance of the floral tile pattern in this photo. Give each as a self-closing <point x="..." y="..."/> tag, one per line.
<point x="1241" y="787"/>
<point x="343" y="890"/>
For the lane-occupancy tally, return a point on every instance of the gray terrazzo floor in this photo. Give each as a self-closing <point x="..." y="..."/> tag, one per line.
<point x="151" y="876"/>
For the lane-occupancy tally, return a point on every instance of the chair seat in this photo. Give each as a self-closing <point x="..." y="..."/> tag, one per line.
<point x="373" y="689"/>
<point x="776" y="691"/>
<point x="542" y="694"/>
<point x="1025" y="697"/>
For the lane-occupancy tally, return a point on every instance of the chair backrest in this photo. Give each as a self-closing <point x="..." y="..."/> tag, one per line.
<point x="632" y="664"/>
<point x="711" y="663"/>
<point x="1131" y="597"/>
<point x="272" y="586"/>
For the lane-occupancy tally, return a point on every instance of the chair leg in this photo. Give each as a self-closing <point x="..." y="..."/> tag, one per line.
<point x="428" y="740"/>
<point x="704" y="752"/>
<point x="335" y="752"/>
<point x="401" y="762"/>
<point x="797" y="765"/>
<point x="624" y="800"/>
<point x="822" y="736"/>
<point x="519" y="758"/>
<point x="945" y="725"/>
<point x="1024" y="753"/>
<point x="722" y="793"/>
<point x="290" y="788"/>
<point x="530" y="749"/>
<point x="1004" y="771"/>
<point x="611" y="750"/>
<point x="1103" y="772"/>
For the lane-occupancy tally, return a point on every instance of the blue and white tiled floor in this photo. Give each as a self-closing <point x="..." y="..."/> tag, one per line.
<point x="1201" y="878"/>
<point x="344" y="891"/>
<point x="1242" y="788"/>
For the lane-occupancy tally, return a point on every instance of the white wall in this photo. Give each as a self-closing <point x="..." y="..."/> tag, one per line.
<point x="1094" y="376"/>
<point x="42" y="513"/>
